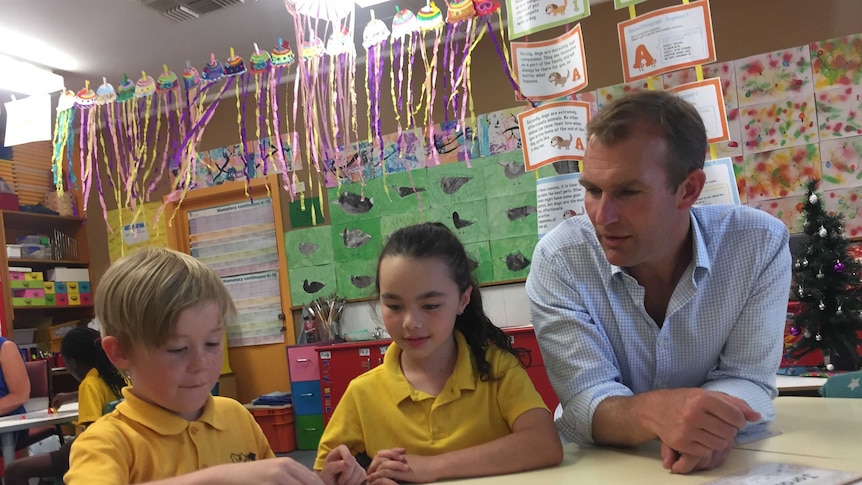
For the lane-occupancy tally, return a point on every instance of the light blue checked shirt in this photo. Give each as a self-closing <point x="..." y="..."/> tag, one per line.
<point x="723" y="330"/>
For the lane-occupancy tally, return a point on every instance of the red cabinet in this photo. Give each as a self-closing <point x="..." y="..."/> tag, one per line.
<point x="340" y="363"/>
<point x="525" y="338"/>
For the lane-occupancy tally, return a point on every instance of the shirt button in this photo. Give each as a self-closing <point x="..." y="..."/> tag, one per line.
<point x="193" y="430"/>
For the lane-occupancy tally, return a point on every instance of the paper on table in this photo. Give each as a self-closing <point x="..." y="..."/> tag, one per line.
<point x="780" y="473"/>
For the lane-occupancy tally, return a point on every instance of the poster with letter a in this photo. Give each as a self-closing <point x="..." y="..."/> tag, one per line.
<point x="554" y="132"/>
<point x="528" y="16"/>
<point x="551" y="69"/>
<point x="666" y="40"/>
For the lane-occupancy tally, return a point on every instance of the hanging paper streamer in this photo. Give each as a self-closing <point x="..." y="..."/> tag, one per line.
<point x="341" y="51"/>
<point x="167" y="86"/>
<point x="374" y="41"/>
<point x="430" y="20"/>
<point x="259" y="66"/>
<point x="282" y="58"/>
<point x="405" y="32"/>
<point x="106" y="98"/>
<point x="456" y="61"/>
<point x="63" y="141"/>
<point x="84" y="100"/>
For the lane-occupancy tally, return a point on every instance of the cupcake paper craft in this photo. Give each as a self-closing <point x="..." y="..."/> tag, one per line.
<point x="429" y="17"/>
<point x="259" y="61"/>
<point x="460" y="10"/>
<point x="145" y="86"/>
<point x="213" y="70"/>
<point x="282" y="55"/>
<point x="105" y="93"/>
<point x="126" y="90"/>
<point x="340" y="42"/>
<point x="375" y="32"/>
<point x="66" y="101"/>
<point x="311" y="48"/>
<point x="86" y="97"/>
<point x="404" y="23"/>
<point x="167" y="81"/>
<point x="235" y="66"/>
<point x="191" y="76"/>
<point x="486" y="7"/>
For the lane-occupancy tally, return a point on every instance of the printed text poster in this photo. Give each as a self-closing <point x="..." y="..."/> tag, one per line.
<point x="528" y="16"/>
<point x="554" y="132"/>
<point x="551" y="69"/>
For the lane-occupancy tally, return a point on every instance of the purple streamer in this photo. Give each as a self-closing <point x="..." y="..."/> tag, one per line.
<point x="377" y="88"/>
<point x="261" y="118"/>
<point x="505" y="64"/>
<point x="243" y="139"/>
<point x="203" y="119"/>
<point x="415" y="36"/>
<point x="446" y="67"/>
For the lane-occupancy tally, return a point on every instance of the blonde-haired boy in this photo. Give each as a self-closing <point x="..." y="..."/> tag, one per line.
<point x="163" y="316"/>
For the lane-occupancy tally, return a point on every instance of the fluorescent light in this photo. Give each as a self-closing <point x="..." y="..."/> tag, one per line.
<point x="25" y="78"/>
<point x="369" y="3"/>
<point x="24" y="46"/>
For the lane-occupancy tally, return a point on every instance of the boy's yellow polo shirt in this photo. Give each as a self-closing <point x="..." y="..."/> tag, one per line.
<point x="381" y="410"/>
<point x="140" y="442"/>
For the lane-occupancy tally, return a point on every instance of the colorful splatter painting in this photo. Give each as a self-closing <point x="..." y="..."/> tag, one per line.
<point x="842" y="162"/>
<point x="838" y="111"/>
<point x="781" y="173"/>
<point x="780" y="124"/>
<point x="354" y="163"/>
<point x="786" y="209"/>
<point x="590" y="97"/>
<point x="774" y="76"/>
<point x="498" y="132"/>
<point x="607" y="94"/>
<point x="733" y="146"/>
<point x="451" y="144"/>
<point x="726" y="71"/>
<point x="847" y="202"/>
<point x="741" y="179"/>
<point x="406" y="154"/>
<point x="837" y="62"/>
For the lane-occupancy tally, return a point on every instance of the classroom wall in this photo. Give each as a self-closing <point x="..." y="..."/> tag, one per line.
<point x="741" y="28"/>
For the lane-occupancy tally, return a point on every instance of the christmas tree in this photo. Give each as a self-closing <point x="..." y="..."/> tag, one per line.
<point x="828" y="288"/>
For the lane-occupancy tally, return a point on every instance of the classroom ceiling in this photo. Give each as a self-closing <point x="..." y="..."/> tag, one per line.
<point x="107" y="38"/>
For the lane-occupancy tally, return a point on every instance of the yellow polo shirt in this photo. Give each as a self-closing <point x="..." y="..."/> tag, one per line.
<point x="381" y="410"/>
<point x="93" y="395"/>
<point x="140" y="442"/>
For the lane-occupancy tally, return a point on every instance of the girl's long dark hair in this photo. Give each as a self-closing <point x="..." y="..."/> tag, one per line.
<point x="85" y="345"/>
<point x="434" y="240"/>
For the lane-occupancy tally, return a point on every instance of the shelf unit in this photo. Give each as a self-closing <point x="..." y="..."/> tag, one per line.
<point x="14" y="224"/>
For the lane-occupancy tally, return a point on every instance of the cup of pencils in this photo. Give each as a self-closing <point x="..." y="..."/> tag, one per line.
<point x="326" y="313"/>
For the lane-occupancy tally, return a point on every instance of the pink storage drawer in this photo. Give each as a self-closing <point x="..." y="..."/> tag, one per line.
<point x="303" y="364"/>
<point x="29" y="293"/>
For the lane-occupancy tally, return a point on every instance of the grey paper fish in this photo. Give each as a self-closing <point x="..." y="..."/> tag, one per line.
<point x="513" y="170"/>
<point x="450" y="185"/>
<point x="306" y="248"/>
<point x="361" y="281"/>
<point x="516" y="213"/>
<point x="354" y="238"/>
<point x="312" y="287"/>
<point x="405" y="191"/>
<point x="354" y="204"/>
<point x="516" y="261"/>
<point x="460" y="223"/>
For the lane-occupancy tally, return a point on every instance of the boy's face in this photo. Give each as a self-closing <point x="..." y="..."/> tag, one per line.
<point x="180" y="374"/>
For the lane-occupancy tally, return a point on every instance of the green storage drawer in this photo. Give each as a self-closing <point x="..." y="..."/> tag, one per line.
<point x="309" y="429"/>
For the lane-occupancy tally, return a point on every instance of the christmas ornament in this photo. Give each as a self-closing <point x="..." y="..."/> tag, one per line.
<point x="794" y="331"/>
<point x="820" y="274"/>
<point x="807" y="334"/>
<point x="822" y="232"/>
<point x="839" y="311"/>
<point x="839" y="266"/>
<point x="804" y="262"/>
<point x="813" y="198"/>
<point x="821" y="306"/>
<point x="818" y="337"/>
<point x="830" y="367"/>
<point x="797" y="264"/>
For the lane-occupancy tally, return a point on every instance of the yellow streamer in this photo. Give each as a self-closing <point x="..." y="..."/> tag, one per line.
<point x="649" y="83"/>
<point x="256" y="106"/>
<point x="368" y="65"/>
<point x="698" y="69"/>
<point x="632" y="12"/>
<point x="713" y="153"/>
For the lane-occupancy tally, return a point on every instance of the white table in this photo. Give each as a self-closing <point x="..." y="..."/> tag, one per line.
<point x="799" y="384"/>
<point x="37" y="415"/>
<point x="820" y="433"/>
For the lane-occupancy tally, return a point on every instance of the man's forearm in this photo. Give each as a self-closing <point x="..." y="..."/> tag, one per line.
<point x="623" y="420"/>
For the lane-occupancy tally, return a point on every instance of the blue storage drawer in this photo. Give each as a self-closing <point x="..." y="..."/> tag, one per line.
<point x="306" y="398"/>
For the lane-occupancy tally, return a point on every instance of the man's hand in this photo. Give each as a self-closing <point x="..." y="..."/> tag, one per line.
<point x="698" y="423"/>
<point x="677" y="463"/>
<point x="341" y="468"/>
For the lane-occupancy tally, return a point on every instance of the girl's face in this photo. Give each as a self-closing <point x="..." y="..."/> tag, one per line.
<point x="75" y="368"/>
<point x="419" y="302"/>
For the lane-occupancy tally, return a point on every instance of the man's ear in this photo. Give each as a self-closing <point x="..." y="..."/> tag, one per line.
<point x="116" y="353"/>
<point x="690" y="188"/>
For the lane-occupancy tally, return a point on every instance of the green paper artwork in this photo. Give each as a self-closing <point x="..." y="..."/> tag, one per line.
<point x="310" y="282"/>
<point x="308" y="246"/>
<point x="391" y="223"/>
<point x="359" y="240"/>
<point x="558" y="168"/>
<point x="454" y="183"/>
<point x="405" y="191"/>
<point x="306" y="217"/>
<point x="353" y="202"/>
<point x="512" y="216"/>
<point x="621" y="4"/>
<point x="469" y="221"/>
<point x="480" y="253"/>
<point x="356" y="279"/>
<point x="511" y="258"/>
<point x="505" y="174"/>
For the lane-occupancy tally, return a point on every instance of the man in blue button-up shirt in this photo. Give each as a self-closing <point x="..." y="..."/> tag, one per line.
<point x="657" y="319"/>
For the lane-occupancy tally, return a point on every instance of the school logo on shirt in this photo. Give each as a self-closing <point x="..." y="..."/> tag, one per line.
<point x="242" y="457"/>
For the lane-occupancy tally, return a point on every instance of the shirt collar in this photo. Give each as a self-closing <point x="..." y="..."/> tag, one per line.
<point x="161" y="420"/>
<point x="463" y="376"/>
<point x="701" y="255"/>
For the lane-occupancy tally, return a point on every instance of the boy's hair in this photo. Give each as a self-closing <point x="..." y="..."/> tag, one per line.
<point x="434" y="240"/>
<point x="84" y="345"/>
<point x="141" y="296"/>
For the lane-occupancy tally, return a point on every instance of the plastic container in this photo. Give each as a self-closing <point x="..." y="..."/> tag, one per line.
<point x="277" y="425"/>
<point x="24" y="335"/>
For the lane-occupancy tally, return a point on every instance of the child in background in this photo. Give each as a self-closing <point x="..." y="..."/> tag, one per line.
<point x="163" y="316"/>
<point x="451" y="399"/>
<point x="100" y="384"/>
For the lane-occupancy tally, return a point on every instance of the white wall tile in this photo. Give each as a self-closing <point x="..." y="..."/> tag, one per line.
<point x="494" y="303"/>
<point x="517" y="305"/>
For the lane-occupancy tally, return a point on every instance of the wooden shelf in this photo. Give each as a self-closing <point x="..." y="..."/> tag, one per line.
<point x="47" y="262"/>
<point x="27" y="218"/>
<point x="50" y="307"/>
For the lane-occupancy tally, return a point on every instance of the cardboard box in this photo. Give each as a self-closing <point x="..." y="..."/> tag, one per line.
<point x="68" y="274"/>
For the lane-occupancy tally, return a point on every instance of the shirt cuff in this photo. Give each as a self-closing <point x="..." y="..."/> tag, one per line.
<point x="576" y="422"/>
<point x="758" y="398"/>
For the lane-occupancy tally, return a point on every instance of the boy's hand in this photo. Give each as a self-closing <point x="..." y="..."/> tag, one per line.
<point x="341" y="468"/>
<point x="411" y="468"/>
